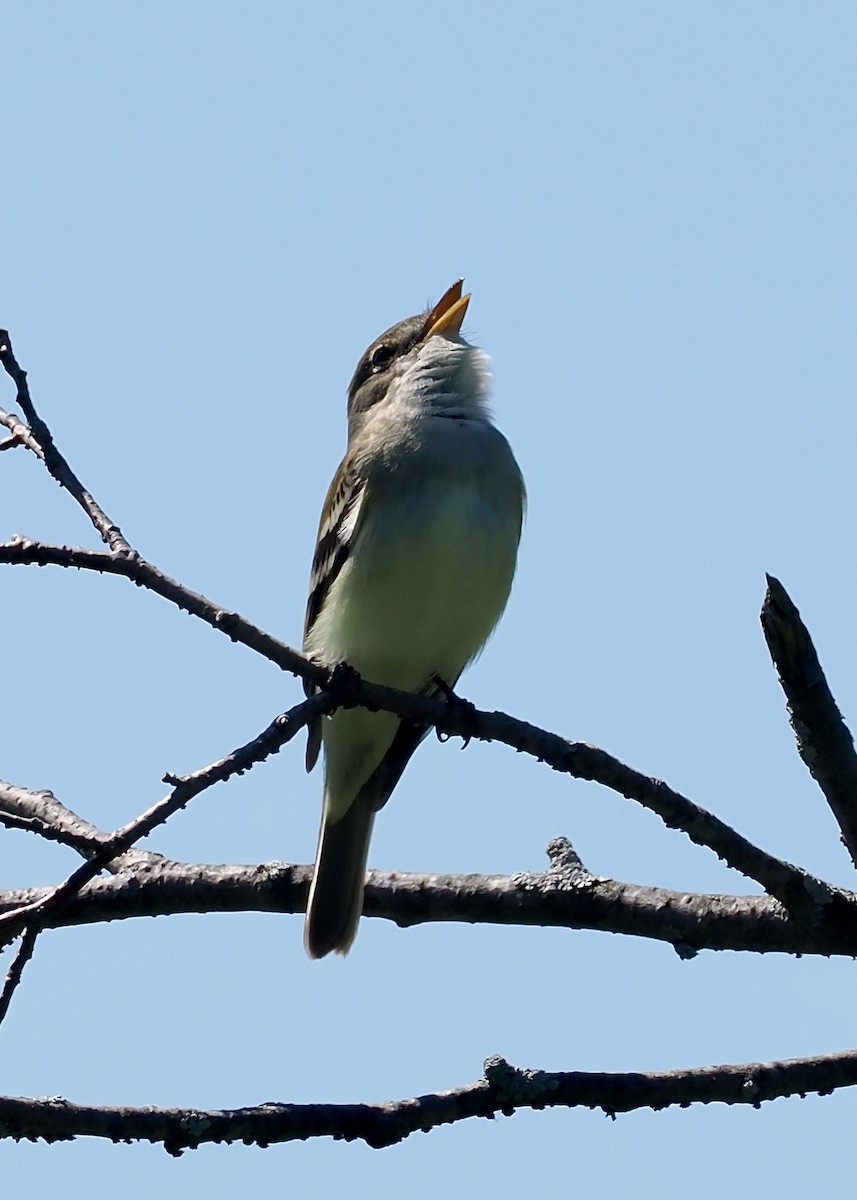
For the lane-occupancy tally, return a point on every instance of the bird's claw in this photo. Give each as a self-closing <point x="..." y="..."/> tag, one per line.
<point x="461" y="711"/>
<point x="343" y="684"/>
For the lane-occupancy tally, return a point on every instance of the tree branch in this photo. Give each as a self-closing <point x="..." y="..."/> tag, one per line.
<point x="20" y="551"/>
<point x="54" y="461"/>
<point x="824" y="741"/>
<point x="41" y="813"/>
<point x="20" y="434"/>
<point x="13" y="976"/>
<point x="30" y="917"/>
<point x="503" y="1089"/>
<point x="556" y="898"/>
<point x="185" y="788"/>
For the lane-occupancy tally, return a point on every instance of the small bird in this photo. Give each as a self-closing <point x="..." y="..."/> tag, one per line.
<point x="413" y="566"/>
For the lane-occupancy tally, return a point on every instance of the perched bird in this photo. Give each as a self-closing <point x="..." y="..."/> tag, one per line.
<point x="413" y="565"/>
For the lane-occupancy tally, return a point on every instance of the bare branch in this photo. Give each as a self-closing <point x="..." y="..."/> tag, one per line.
<point x="558" y="898"/>
<point x="824" y="741"/>
<point x="21" y="435"/>
<point x="504" y="1089"/>
<point x="13" y="975"/>
<point x="41" y="813"/>
<point x="281" y="730"/>
<point x="22" y="551"/>
<point x="29" y="918"/>
<point x="54" y="461"/>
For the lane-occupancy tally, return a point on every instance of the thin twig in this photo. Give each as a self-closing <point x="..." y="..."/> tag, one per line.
<point x="13" y="975"/>
<point x="28" y="919"/>
<point x="21" y="551"/>
<point x="21" y="435"/>
<point x="54" y="460"/>
<point x="185" y="788"/>
<point x="824" y="741"/>
<point x="503" y="1089"/>
<point x="41" y="813"/>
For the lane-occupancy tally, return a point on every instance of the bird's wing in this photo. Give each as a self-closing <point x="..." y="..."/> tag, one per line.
<point x="335" y="537"/>
<point x="378" y="788"/>
<point x="336" y="532"/>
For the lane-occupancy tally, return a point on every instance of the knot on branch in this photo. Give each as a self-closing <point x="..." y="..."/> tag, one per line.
<point x="226" y="621"/>
<point x="564" y="859"/>
<point x="514" y="1086"/>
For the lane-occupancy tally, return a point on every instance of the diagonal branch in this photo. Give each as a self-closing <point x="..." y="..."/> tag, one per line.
<point x="281" y="730"/>
<point x="30" y="917"/>
<point x="13" y="976"/>
<point x="824" y="741"/>
<point x="41" y="813"/>
<point x="503" y="1089"/>
<point x="20" y="551"/>
<point x="54" y="461"/>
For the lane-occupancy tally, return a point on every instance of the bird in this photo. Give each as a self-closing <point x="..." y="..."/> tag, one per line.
<point x="413" y="566"/>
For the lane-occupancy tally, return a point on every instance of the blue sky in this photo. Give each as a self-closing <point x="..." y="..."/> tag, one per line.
<point x="209" y="211"/>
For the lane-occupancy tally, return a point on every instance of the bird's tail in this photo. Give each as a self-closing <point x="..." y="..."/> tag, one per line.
<point x="336" y="896"/>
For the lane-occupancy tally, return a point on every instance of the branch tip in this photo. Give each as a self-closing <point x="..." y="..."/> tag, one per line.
<point x="824" y="741"/>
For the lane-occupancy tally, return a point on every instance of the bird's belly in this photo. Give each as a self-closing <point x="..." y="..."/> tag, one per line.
<point x="422" y="592"/>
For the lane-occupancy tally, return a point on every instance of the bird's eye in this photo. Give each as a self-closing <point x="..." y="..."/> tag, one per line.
<point x="380" y="357"/>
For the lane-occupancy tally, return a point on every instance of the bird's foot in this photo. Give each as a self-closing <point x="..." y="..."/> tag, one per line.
<point x="461" y="711"/>
<point x="343" y="684"/>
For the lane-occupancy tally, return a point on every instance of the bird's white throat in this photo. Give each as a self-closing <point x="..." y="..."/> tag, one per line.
<point x="444" y="377"/>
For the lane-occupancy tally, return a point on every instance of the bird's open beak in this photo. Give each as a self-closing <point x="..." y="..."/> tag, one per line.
<point x="447" y="314"/>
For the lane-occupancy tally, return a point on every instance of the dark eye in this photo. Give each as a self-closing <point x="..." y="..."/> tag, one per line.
<point x="381" y="357"/>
